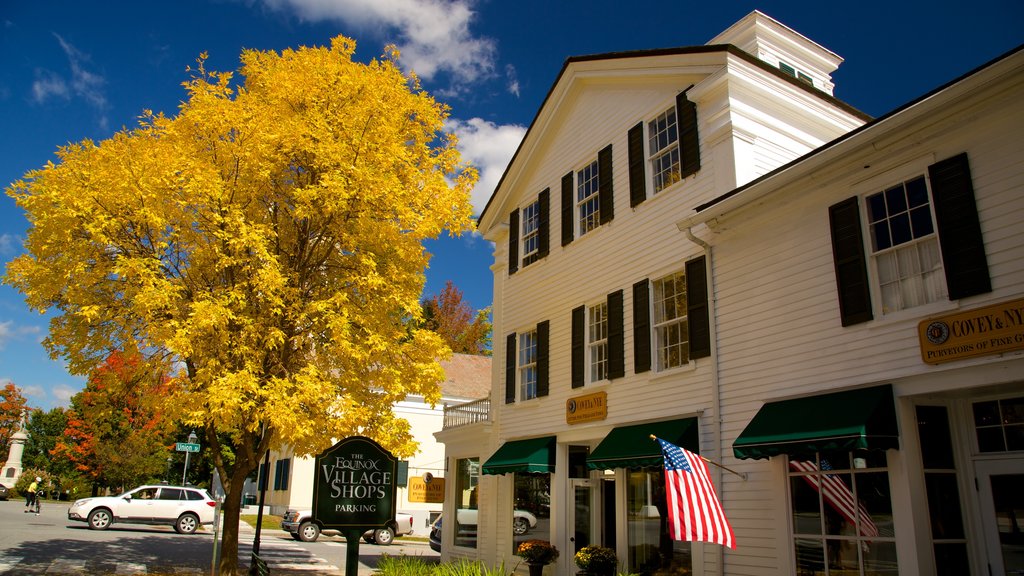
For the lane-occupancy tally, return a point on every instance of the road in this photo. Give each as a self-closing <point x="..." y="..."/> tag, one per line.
<point x="50" y="544"/>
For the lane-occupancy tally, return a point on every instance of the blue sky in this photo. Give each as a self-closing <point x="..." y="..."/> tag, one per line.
<point x="76" y="70"/>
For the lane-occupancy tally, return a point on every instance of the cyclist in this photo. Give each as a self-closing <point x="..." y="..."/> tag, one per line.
<point x="32" y="497"/>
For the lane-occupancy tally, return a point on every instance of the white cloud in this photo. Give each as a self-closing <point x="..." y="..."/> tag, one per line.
<point x="513" y="80"/>
<point x="63" y="394"/>
<point x="9" y="332"/>
<point x="488" y="147"/>
<point x="432" y="35"/>
<point x="82" y="83"/>
<point x="9" y="244"/>
<point x="49" y="85"/>
<point x="6" y="332"/>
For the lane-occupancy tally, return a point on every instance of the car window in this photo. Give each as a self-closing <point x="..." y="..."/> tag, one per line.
<point x="193" y="495"/>
<point x="144" y="494"/>
<point x="170" y="494"/>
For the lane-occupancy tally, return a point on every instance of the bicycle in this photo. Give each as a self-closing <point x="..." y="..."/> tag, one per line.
<point x="36" y="504"/>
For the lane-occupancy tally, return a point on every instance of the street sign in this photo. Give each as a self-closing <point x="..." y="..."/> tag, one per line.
<point x="186" y="447"/>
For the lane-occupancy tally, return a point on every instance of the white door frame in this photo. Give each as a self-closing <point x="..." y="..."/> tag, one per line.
<point x="983" y="471"/>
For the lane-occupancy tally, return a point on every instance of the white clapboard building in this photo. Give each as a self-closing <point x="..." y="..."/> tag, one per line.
<point x="703" y="244"/>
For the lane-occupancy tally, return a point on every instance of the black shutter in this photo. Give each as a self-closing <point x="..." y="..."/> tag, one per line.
<point x="513" y="241"/>
<point x="849" y="261"/>
<point x="641" y="326"/>
<point x="579" y="327"/>
<point x="689" y="144"/>
<point x="544" y="224"/>
<point x="616" y="337"/>
<point x="510" y="368"/>
<point x="542" y="358"/>
<point x="698" y="317"/>
<point x="956" y="216"/>
<point x="605" y="194"/>
<point x="637" y="176"/>
<point x="568" y="206"/>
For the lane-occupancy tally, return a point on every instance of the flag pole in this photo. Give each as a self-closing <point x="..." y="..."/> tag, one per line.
<point x="726" y="468"/>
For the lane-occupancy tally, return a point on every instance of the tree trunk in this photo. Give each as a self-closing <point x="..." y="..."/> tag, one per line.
<point x="230" y="509"/>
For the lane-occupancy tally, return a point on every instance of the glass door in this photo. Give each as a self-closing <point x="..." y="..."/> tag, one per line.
<point x="581" y="515"/>
<point x="1002" y="512"/>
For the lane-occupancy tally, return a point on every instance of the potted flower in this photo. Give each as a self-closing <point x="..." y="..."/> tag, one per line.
<point x="537" y="553"/>
<point x="596" y="560"/>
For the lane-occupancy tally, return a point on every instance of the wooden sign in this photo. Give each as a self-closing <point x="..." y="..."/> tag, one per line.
<point x="587" y="408"/>
<point x="984" y="331"/>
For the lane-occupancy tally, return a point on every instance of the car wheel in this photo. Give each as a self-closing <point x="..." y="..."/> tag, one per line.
<point x="384" y="536"/>
<point x="186" y="524"/>
<point x="100" y="519"/>
<point x="309" y="532"/>
<point x="520" y="526"/>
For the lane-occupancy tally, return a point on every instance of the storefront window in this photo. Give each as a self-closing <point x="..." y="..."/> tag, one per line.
<point x="842" y="514"/>
<point x="467" y="478"/>
<point x="531" y="515"/>
<point x="651" y="549"/>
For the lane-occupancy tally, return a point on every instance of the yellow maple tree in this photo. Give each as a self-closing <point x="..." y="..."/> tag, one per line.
<point x="264" y="246"/>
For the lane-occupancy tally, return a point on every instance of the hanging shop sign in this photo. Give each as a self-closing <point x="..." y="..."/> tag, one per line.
<point x="427" y="489"/>
<point x="586" y="408"/>
<point x="995" y="329"/>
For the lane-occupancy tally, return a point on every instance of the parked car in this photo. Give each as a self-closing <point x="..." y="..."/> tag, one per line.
<point x="183" y="507"/>
<point x="522" y="521"/>
<point x="435" y="535"/>
<point x="299" y="523"/>
<point x="4" y="492"/>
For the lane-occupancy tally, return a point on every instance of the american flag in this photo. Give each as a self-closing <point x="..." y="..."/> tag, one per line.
<point x="838" y="495"/>
<point x="694" y="512"/>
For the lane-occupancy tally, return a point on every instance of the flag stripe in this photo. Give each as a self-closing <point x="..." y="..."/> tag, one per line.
<point x="838" y="495"/>
<point x="694" y="511"/>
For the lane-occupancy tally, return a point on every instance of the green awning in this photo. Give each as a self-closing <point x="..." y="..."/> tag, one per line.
<point x="632" y="446"/>
<point x="533" y="455"/>
<point x="862" y="419"/>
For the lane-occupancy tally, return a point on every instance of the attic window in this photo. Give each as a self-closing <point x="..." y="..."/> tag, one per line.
<point x="798" y="74"/>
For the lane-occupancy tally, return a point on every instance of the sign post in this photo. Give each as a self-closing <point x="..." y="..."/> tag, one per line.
<point x="188" y="448"/>
<point x="354" y="491"/>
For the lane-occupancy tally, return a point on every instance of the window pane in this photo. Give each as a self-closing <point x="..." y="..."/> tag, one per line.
<point x="895" y="200"/>
<point x="1012" y="410"/>
<point x="986" y="413"/>
<point x="936" y="442"/>
<point x="842" y="556"/>
<point x="917" y="192"/>
<point x="806" y="507"/>
<point x="880" y="237"/>
<point x="876" y="208"/>
<point x="651" y="551"/>
<point x="880" y="559"/>
<point x="1014" y="437"/>
<point x="944" y="505"/>
<point x="921" y="221"/>
<point x="899" y="225"/>
<point x="888" y="271"/>
<point x="810" y="557"/>
<point x="531" y="517"/>
<point x="467" y="475"/>
<point x="991" y="440"/>
<point x="951" y="560"/>
<point x="875" y="511"/>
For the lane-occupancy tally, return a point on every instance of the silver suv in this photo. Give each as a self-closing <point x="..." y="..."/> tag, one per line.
<point x="184" y="508"/>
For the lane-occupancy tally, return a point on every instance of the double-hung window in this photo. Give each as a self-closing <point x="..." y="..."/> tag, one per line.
<point x="663" y="146"/>
<point x="528" y="365"/>
<point x="588" y="202"/>
<point x="925" y="243"/>
<point x="531" y="232"/>
<point x="597" y="341"/>
<point x="904" y="246"/>
<point x="670" y="329"/>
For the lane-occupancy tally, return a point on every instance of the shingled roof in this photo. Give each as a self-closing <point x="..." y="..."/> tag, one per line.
<point x="466" y="376"/>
